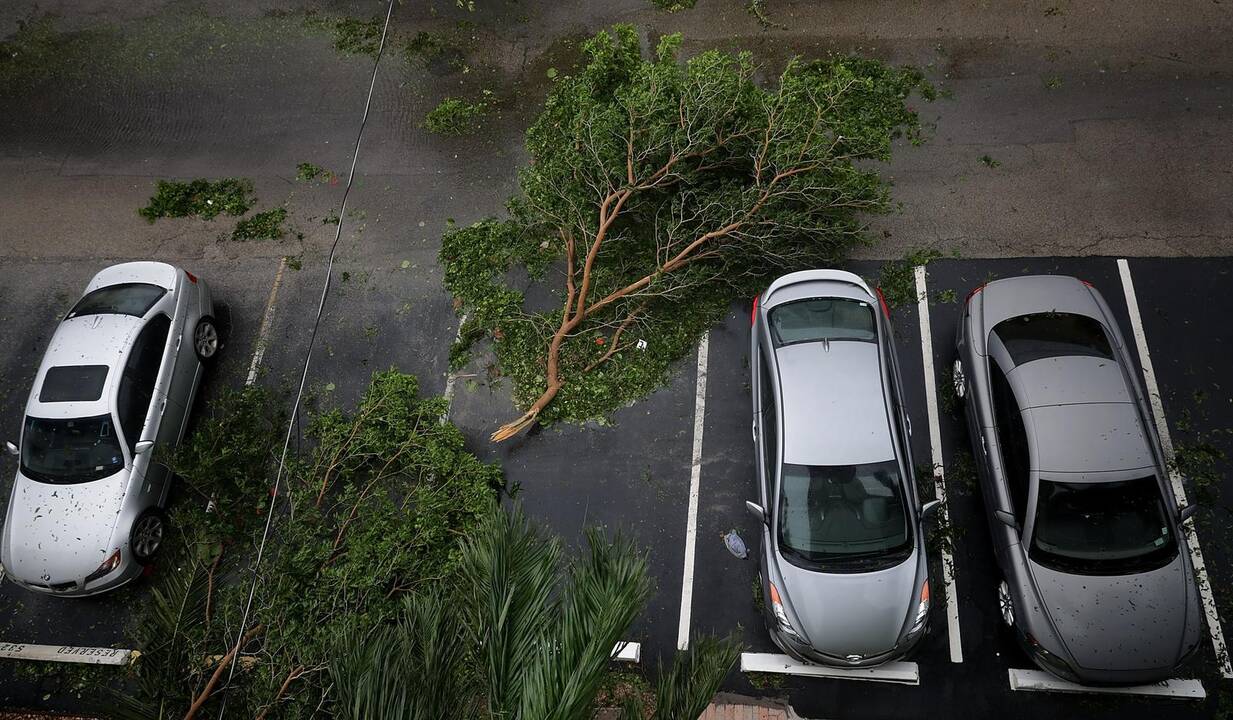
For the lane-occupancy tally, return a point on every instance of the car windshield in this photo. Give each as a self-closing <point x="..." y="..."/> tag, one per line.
<point x="134" y="299"/>
<point x="843" y="514"/>
<point x="70" y="451"/>
<point x="822" y="319"/>
<point x="1102" y="528"/>
<point x="1053" y="334"/>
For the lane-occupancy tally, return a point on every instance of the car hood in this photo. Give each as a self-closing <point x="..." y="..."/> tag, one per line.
<point x="844" y="614"/>
<point x="1119" y="622"/>
<point x="57" y="533"/>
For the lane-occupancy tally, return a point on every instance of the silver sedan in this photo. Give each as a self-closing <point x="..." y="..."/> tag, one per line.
<point x="118" y="380"/>
<point x="1097" y="583"/>
<point x="844" y="573"/>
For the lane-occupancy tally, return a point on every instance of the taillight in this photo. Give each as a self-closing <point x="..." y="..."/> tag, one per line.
<point x="753" y="314"/>
<point x="973" y="292"/>
<point x="191" y="277"/>
<point x="1085" y="282"/>
<point x="882" y="301"/>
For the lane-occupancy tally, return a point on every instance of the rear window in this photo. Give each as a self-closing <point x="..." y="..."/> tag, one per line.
<point x="73" y="383"/>
<point x="822" y="319"/>
<point x="1046" y="335"/>
<point x="134" y="299"/>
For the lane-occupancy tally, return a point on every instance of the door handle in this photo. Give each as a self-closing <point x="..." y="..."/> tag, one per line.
<point x="162" y="407"/>
<point x="754" y="428"/>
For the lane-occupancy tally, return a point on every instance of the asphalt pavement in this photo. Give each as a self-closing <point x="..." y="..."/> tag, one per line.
<point x="1067" y="130"/>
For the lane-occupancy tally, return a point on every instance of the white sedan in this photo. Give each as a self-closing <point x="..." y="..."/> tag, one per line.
<point x="119" y="379"/>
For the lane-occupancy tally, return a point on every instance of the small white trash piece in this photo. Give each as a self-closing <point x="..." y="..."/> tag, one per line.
<point x="641" y="344"/>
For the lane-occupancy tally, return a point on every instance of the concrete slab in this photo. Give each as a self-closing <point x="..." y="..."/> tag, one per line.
<point x="901" y="673"/>
<point x="1041" y="681"/>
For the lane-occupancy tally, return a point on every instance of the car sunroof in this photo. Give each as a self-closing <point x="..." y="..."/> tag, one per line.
<point x="73" y="383"/>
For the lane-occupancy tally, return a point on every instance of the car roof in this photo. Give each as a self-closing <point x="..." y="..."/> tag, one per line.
<point x="1080" y="417"/>
<point x="86" y="340"/>
<point x="1068" y="380"/>
<point x="1086" y="439"/>
<point x="834" y="406"/>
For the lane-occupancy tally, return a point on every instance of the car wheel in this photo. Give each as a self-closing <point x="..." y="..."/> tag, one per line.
<point x="958" y="380"/>
<point x="1005" y="605"/>
<point x="205" y="339"/>
<point x="147" y="535"/>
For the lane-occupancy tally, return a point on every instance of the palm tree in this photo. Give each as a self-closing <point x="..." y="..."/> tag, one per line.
<point x="519" y="635"/>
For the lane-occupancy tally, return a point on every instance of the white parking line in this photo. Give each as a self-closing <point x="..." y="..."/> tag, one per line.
<point x="939" y="477"/>
<point x="1179" y="490"/>
<point x="903" y="673"/>
<point x="695" y="478"/>
<point x="267" y="320"/>
<point x="452" y="377"/>
<point x="67" y="654"/>
<point x="1041" y="681"/>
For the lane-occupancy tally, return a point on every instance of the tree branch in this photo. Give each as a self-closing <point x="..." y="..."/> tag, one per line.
<point x="218" y="671"/>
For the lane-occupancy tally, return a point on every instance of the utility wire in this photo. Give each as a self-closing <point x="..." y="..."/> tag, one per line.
<point x="295" y="408"/>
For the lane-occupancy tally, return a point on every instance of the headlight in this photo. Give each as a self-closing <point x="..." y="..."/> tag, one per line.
<point x="781" y="616"/>
<point x="1048" y="660"/>
<point x="922" y="610"/>
<point x="108" y="565"/>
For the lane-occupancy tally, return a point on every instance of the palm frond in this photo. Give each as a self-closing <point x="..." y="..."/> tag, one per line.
<point x="166" y="640"/>
<point x="684" y="691"/>
<point x="414" y="670"/>
<point x="509" y="573"/>
<point x="605" y="591"/>
<point x="435" y="643"/>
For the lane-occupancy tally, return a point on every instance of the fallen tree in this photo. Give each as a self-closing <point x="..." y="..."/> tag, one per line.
<point x="658" y="192"/>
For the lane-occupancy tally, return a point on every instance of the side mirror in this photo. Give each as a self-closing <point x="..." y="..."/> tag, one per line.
<point x="1006" y="518"/>
<point x="1187" y="512"/>
<point x="756" y="510"/>
<point x="11" y="448"/>
<point x="929" y="509"/>
<point x="143" y="447"/>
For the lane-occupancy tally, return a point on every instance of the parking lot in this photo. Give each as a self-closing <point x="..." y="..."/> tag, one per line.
<point x="1101" y="164"/>
<point x="635" y="476"/>
<point x="641" y="486"/>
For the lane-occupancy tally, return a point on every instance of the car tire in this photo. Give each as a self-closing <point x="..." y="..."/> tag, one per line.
<point x="206" y="339"/>
<point x="1006" y="606"/>
<point x="147" y="536"/>
<point x="959" y="380"/>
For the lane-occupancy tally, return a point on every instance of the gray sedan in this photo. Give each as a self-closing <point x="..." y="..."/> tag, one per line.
<point x="1098" y="583"/>
<point x="843" y="567"/>
<point x="118" y="379"/>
